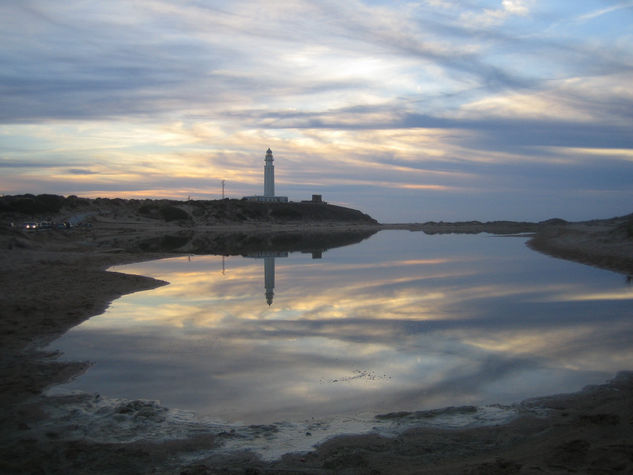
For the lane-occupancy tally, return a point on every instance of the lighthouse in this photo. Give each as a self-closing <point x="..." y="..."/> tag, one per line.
<point x="269" y="175"/>
<point x="269" y="183"/>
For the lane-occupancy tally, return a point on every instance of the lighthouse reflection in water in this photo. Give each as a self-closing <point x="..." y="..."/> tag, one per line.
<point x="400" y="321"/>
<point x="269" y="271"/>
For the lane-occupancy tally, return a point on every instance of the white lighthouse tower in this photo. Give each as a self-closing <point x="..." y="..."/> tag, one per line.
<point x="269" y="175"/>
<point x="269" y="183"/>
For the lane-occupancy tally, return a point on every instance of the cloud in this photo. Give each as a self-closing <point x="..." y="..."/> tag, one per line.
<point x="408" y="100"/>
<point x="490" y="17"/>
<point x="81" y="171"/>
<point x="19" y="164"/>
<point x="126" y="69"/>
<point x="603" y="11"/>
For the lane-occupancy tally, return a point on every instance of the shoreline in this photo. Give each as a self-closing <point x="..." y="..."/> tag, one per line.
<point x="593" y="426"/>
<point x="597" y="244"/>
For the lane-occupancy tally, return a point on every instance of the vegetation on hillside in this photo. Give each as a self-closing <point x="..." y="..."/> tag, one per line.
<point x="23" y="207"/>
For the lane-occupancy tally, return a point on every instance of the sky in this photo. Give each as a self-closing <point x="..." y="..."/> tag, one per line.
<point x="407" y="110"/>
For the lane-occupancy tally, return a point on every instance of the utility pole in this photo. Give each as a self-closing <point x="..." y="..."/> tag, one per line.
<point x="223" y="181"/>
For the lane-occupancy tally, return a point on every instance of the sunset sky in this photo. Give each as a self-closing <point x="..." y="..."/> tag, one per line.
<point x="407" y="110"/>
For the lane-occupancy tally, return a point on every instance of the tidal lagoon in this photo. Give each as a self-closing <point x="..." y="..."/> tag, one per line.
<point x="401" y="321"/>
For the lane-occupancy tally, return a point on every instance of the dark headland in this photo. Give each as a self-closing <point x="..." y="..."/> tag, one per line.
<point x="54" y="277"/>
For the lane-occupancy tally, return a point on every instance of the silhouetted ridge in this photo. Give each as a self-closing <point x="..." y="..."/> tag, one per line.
<point x="203" y="212"/>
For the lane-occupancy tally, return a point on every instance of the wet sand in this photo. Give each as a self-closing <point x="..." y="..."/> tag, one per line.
<point x="54" y="280"/>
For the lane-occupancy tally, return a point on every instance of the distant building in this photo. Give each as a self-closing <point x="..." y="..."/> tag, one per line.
<point x="316" y="200"/>
<point x="269" y="183"/>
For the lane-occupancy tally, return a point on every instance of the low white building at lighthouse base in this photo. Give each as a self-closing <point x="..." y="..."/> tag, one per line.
<point x="267" y="199"/>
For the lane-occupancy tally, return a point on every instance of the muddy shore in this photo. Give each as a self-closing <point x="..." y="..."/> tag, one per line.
<point x="55" y="280"/>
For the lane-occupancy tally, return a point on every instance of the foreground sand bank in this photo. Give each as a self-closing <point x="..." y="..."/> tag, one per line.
<point x="52" y="282"/>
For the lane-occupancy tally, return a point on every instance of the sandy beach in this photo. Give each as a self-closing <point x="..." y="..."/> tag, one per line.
<point x="54" y="280"/>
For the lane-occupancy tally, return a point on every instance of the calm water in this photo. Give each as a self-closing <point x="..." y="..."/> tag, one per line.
<point x="401" y="321"/>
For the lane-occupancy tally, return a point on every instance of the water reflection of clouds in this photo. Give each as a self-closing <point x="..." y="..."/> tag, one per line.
<point x="406" y="333"/>
<point x="624" y="294"/>
<point x="332" y="296"/>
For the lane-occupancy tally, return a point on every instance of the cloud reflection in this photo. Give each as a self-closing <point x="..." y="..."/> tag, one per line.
<point x="425" y="324"/>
